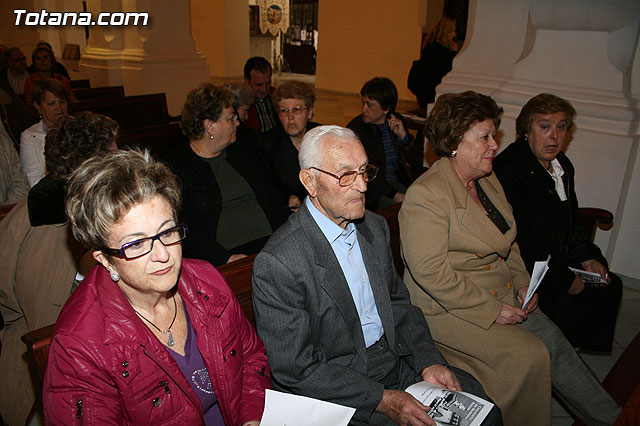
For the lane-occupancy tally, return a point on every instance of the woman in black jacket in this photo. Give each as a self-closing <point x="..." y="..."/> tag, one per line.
<point x="229" y="202"/>
<point x="538" y="180"/>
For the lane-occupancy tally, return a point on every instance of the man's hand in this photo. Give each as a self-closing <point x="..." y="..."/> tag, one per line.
<point x="577" y="286"/>
<point x="395" y="124"/>
<point x="403" y="409"/>
<point x="510" y="315"/>
<point x="440" y="375"/>
<point x="593" y="265"/>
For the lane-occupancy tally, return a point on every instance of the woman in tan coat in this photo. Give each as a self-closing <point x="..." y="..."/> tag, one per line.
<point x="465" y="272"/>
<point x="40" y="261"/>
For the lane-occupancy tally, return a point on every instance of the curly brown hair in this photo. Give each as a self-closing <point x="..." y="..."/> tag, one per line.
<point x="105" y="188"/>
<point x="544" y="103"/>
<point x="295" y="90"/>
<point x="454" y="114"/>
<point x="205" y="102"/>
<point x="76" y="138"/>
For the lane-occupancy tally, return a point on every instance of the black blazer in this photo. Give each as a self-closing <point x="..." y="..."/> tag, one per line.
<point x="202" y="200"/>
<point x="282" y="156"/>
<point x="546" y="225"/>
<point x="371" y="139"/>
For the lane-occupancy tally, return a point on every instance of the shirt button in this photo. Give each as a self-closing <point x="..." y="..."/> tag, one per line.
<point x="157" y="402"/>
<point x="125" y="373"/>
<point x="509" y="285"/>
<point x="125" y="364"/>
<point x="233" y="352"/>
<point x="495" y="293"/>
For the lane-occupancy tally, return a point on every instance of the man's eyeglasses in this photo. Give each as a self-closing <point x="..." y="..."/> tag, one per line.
<point x="139" y="248"/>
<point x="295" y="110"/>
<point x="348" y="178"/>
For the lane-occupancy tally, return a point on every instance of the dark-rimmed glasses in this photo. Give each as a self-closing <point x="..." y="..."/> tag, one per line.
<point x="139" y="248"/>
<point x="348" y="178"/>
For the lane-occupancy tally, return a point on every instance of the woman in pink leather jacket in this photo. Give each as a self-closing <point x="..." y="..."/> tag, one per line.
<point x="147" y="338"/>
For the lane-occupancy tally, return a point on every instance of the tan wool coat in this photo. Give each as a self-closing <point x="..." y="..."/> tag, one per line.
<point x="37" y="269"/>
<point x="460" y="269"/>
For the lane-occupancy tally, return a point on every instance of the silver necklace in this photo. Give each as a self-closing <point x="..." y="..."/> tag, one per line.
<point x="170" y="341"/>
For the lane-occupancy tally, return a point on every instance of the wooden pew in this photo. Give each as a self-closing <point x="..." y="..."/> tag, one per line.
<point x="88" y="93"/>
<point x="80" y="84"/>
<point x="130" y="111"/>
<point x="159" y="139"/>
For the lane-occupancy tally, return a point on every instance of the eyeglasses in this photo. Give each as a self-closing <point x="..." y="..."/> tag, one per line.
<point x="139" y="248"/>
<point x="295" y="110"/>
<point x="348" y="178"/>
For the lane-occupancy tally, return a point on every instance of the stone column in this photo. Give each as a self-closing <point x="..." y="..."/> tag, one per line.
<point x="158" y="58"/>
<point x="588" y="52"/>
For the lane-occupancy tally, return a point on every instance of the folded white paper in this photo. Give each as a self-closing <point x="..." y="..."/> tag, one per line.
<point x="285" y="409"/>
<point x="539" y="269"/>
<point x="588" y="277"/>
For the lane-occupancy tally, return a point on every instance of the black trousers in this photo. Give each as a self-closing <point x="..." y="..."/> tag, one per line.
<point x="587" y="319"/>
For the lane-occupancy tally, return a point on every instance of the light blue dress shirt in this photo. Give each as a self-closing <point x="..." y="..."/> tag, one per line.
<point x="344" y="243"/>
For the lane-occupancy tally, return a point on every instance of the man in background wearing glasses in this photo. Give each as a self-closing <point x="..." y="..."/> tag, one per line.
<point x="334" y="315"/>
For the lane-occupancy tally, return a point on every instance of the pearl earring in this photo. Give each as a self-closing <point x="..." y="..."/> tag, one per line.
<point x="115" y="277"/>
<point x="454" y="153"/>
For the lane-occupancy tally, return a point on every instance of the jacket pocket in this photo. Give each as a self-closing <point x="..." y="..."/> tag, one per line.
<point x="154" y="401"/>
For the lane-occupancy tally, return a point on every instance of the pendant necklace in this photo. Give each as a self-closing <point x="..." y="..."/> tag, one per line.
<point x="170" y="341"/>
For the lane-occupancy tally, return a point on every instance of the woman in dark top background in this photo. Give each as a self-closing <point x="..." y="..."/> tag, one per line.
<point x="436" y="58"/>
<point x="294" y="102"/>
<point x="229" y="204"/>
<point x="538" y="180"/>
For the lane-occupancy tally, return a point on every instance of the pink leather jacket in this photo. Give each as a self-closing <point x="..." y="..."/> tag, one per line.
<point x="106" y="367"/>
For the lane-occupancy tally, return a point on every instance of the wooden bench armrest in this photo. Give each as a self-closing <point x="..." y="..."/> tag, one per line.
<point x="592" y="218"/>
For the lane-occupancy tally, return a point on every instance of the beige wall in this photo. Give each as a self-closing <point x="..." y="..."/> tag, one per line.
<point x="220" y="29"/>
<point x="208" y="30"/>
<point x="359" y="40"/>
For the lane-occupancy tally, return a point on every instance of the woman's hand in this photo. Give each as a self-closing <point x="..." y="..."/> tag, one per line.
<point x="510" y="315"/>
<point x="593" y="265"/>
<point x="533" y="302"/>
<point x="395" y="124"/>
<point x="576" y="287"/>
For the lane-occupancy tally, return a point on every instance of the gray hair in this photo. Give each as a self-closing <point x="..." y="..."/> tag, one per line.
<point x="311" y="152"/>
<point x="103" y="190"/>
<point x="242" y="93"/>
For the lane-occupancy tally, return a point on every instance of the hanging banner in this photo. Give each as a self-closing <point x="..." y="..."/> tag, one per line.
<point x="274" y="16"/>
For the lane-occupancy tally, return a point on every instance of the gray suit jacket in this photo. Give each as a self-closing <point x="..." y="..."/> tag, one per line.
<point x="309" y="323"/>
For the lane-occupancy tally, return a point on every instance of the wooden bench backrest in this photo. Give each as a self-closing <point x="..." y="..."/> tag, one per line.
<point x="88" y="93"/>
<point x="130" y="111"/>
<point x="159" y="139"/>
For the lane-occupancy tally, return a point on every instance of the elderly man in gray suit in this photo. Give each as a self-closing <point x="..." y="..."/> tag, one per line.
<point x="333" y="313"/>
